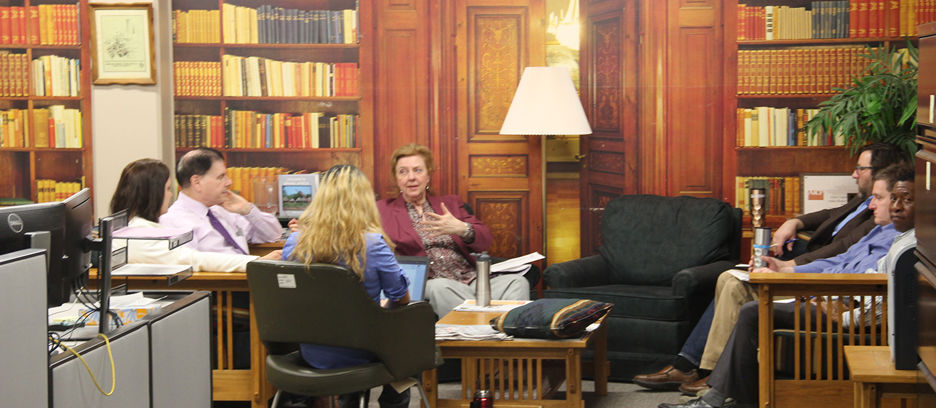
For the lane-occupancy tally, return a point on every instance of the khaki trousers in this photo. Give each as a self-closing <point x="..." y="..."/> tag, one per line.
<point x="730" y="294"/>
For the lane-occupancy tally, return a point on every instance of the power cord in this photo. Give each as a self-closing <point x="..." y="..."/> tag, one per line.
<point x="93" y="378"/>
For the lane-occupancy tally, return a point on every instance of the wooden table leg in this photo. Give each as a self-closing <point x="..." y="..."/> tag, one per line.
<point x="430" y="384"/>
<point x="600" y="361"/>
<point x="261" y="389"/>
<point x="574" y="379"/>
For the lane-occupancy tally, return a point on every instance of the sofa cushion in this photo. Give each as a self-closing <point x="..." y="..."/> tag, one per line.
<point x="641" y="302"/>
<point x="647" y="239"/>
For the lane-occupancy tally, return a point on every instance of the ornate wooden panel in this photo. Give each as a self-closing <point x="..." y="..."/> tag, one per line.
<point x="500" y="40"/>
<point x="502" y="175"/>
<point x="402" y="94"/>
<point x="505" y="214"/>
<point x="609" y="93"/>
<point x="499" y="166"/>
<point x="695" y="105"/>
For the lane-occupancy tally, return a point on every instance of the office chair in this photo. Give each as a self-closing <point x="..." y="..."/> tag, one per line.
<point x="327" y="305"/>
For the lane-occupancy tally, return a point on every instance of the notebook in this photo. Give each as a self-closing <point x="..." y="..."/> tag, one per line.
<point x="416" y="269"/>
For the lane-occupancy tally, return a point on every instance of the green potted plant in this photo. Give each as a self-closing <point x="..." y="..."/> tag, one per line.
<point x="879" y="107"/>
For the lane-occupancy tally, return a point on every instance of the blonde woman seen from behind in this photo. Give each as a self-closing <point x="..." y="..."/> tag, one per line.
<point x="341" y="226"/>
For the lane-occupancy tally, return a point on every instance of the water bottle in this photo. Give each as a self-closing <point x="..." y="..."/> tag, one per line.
<point x="760" y="247"/>
<point x="482" y="399"/>
<point x="483" y="285"/>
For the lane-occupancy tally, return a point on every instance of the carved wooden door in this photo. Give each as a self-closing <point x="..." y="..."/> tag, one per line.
<point x="500" y="176"/>
<point x="608" y="87"/>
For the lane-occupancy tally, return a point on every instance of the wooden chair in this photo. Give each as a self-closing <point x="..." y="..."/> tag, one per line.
<point x="819" y="374"/>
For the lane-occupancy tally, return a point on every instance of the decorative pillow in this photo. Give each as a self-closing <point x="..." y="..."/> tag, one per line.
<point x="551" y="318"/>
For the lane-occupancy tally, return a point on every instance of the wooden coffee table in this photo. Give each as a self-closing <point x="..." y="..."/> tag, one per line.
<point x="514" y="370"/>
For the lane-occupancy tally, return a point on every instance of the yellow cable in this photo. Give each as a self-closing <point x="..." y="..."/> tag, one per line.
<point x="93" y="378"/>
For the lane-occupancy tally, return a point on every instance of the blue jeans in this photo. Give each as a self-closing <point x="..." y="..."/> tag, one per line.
<point x="694" y="346"/>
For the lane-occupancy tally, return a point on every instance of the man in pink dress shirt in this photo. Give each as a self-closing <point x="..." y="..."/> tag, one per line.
<point x="232" y="223"/>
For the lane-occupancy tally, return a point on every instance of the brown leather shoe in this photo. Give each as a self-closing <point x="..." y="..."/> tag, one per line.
<point x="694" y="387"/>
<point x="669" y="378"/>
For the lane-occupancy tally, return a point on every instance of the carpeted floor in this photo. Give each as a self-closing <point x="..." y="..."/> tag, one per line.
<point x="619" y="395"/>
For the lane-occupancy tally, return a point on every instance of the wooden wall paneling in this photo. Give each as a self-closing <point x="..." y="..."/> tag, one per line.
<point x="695" y="83"/>
<point x="402" y="90"/>
<point x="609" y="95"/>
<point x="652" y="23"/>
<point x="501" y="176"/>
<point x="443" y="129"/>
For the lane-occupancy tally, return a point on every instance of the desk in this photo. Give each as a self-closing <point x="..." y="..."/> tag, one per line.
<point x="263" y="249"/>
<point x="512" y="370"/>
<point x="228" y="384"/>
<point x="878" y="384"/>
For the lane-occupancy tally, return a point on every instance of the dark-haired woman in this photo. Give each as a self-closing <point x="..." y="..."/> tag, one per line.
<point x="145" y="191"/>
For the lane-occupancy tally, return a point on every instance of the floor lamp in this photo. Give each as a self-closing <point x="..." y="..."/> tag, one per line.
<point x="545" y="104"/>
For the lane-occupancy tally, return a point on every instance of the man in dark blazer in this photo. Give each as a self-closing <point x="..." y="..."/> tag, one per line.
<point x="834" y="231"/>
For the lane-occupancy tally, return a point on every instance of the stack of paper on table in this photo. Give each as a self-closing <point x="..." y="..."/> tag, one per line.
<point x="468" y="332"/>
<point x="496" y="306"/>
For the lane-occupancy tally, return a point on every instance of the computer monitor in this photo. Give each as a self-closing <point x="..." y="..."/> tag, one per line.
<point x="295" y="193"/>
<point x="62" y="228"/>
<point x="38" y="226"/>
<point x="76" y="251"/>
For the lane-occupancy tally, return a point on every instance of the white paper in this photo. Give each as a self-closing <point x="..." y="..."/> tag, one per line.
<point x="742" y="276"/>
<point x="510" y="264"/>
<point x="470" y="306"/>
<point x="468" y="332"/>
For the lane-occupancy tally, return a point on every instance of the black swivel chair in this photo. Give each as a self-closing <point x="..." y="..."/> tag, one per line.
<point x="326" y="304"/>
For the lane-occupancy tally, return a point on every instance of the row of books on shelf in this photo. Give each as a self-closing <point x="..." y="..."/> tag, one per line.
<point x="783" y="193"/>
<point x="52" y="75"/>
<point x="242" y="178"/>
<point x="55" y="126"/>
<point x="56" y="76"/>
<point x="251" y="129"/>
<point x="196" y="26"/>
<point x="277" y="25"/>
<point x="766" y="126"/>
<point x="835" y="19"/>
<point x="799" y="70"/>
<point x="257" y="76"/>
<point x="51" y="190"/>
<point x="45" y="24"/>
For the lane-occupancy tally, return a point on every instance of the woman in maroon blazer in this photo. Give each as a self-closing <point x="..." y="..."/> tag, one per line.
<point x="441" y="229"/>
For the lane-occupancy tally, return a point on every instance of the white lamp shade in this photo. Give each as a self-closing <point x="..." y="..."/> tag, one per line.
<point x="545" y="104"/>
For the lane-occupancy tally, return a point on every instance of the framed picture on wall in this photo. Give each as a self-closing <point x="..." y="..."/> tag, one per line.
<point x="122" y="45"/>
<point x="829" y="190"/>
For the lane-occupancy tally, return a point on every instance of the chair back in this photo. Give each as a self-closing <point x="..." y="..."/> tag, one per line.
<point x="327" y="305"/>
<point x="646" y="239"/>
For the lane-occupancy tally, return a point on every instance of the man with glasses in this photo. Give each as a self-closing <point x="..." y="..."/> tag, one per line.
<point x="834" y="231"/>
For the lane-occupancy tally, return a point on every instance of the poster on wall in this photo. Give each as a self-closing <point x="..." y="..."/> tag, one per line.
<point x="824" y="191"/>
<point x="122" y="45"/>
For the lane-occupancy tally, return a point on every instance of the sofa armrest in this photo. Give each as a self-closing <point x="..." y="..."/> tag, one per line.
<point x="699" y="278"/>
<point x="588" y="271"/>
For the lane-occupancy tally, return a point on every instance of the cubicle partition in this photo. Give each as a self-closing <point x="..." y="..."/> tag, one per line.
<point x="23" y="337"/>
<point x="161" y="361"/>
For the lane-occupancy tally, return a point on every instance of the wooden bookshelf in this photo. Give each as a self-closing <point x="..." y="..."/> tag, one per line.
<point x="23" y="165"/>
<point x="255" y="150"/>
<point x="742" y="160"/>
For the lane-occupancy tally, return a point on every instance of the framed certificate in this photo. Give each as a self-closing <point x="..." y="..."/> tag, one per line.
<point x="829" y="190"/>
<point x="122" y="50"/>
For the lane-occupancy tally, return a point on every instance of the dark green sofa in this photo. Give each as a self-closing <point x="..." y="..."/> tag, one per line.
<point x="658" y="263"/>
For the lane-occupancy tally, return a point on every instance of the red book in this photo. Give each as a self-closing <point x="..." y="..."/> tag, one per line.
<point x="51" y="132"/>
<point x="893" y="18"/>
<point x="863" y="18"/>
<point x="32" y="26"/>
<point x="852" y="19"/>
<point x="881" y="17"/>
<point x="5" y="25"/>
<point x="15" y="26"/>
